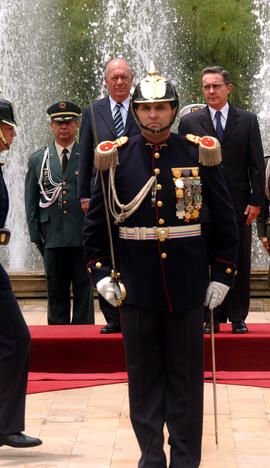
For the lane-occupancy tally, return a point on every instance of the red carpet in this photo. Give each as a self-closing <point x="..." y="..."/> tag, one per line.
<point x="46" y="382"/>
<point x="78" y="356"/>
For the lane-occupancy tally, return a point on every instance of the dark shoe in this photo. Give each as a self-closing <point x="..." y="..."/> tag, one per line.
<point x="207" y="327"/>
<point x="239" y="327"/>
<point x="19" y="440"/>
<point x="111" y="328"/>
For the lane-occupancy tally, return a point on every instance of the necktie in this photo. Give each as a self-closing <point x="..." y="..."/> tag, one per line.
<point x="219" y="129"/>
<point x="118" y="121"/>
<point x="64" y="159"/>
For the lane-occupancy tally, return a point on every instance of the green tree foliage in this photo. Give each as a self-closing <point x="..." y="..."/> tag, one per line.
<point x="77" y="20"/>
<point x="207" y="32"/>
<point x="217" y="32"/>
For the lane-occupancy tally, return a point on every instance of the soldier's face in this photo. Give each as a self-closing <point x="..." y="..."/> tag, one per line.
<point x="8" y="133"/>
<point x="155" y="115"/>
<point x="65" y="131"/>
<point x="215" y="90"/>
<point x="118" y="80"/>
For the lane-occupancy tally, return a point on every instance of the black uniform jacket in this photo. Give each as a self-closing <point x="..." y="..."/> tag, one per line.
<point x="242" y="153"/>
<point x="4" y="205"/>
<point x="170" y="275"/>
<point x="105" y="131"/>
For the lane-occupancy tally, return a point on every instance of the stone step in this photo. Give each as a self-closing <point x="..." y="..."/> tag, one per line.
<point x="33" y="284"/>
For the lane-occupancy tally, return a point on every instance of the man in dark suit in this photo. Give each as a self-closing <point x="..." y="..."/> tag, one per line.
<point x="55" y="218"/>
<point x="14" y="334"/>
<point x="163" y="263"/>
<point x="243" y="169"/>
<point x="99" y="123"/>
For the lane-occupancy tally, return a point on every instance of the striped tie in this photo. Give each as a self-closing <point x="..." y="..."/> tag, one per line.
<point x="118" y="121"/>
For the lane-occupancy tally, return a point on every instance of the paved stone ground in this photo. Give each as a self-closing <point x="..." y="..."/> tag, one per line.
<point x="90" y="427"/>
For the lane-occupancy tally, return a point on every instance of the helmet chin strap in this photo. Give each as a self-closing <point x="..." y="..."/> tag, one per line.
<point x="159" y="130"/>
<point x="2" y="138"/>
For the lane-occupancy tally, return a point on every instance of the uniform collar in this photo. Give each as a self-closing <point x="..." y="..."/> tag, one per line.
<point x="60" y="148"/>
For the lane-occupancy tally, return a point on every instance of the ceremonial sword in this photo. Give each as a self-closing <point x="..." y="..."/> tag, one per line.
<point x="214" y="372"/>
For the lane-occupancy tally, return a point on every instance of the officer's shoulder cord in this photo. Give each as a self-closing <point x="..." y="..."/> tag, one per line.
<point x="126" y="210"/>
<point x="52" y="194"/>
<point x="133" y="205"/>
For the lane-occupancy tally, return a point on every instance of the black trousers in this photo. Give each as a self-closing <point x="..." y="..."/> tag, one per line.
<point x="236" y="304"/>
<point x="164" y="353"/>
<point x="65" y="266"/>
<point x="14" y="361"/>
<point x="110" y="312"/>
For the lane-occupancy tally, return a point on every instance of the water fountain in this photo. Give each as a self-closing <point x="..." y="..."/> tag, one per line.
<point x="260" y="259"/>
<point x="33" y="75"/>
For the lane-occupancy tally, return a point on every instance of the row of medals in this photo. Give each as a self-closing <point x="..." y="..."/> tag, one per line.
<point x="188" y="191"/>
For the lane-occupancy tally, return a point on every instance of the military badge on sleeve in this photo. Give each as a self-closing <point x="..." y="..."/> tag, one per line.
<point x="188" y="192"/>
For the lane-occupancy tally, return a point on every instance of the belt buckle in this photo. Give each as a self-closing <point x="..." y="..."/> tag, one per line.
<point x="162" y="233"/>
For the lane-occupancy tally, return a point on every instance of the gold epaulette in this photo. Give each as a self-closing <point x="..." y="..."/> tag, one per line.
<point x="106" y="154"/>
<point x="209" y="149"/>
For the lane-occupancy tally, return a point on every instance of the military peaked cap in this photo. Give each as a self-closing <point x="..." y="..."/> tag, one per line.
<point x="64" y="110"/>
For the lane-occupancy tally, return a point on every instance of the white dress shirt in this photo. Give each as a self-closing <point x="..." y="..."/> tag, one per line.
<point x="224" y="115"/>
<point x="123" y="109"/>
<point x="60" y="148"/>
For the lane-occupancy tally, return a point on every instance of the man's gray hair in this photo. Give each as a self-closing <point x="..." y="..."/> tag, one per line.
<point x="217" y="69"/>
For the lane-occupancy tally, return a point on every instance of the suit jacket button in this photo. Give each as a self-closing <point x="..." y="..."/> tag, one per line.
<point x="98" y="265"/>
<point x="160" y="203"/>
<point x="161" y="221"/>
<point x="64" y="183"/>
<point x="163" y="255"/>
<point x="65" y="212"/>
<point x="64" y="192"/>
<point x="159" y="187"/>
<point x="64" y="202"/>
<point x="157" y="155"/>
<point x="157" y="171"/>
<point x="228" y="270"/>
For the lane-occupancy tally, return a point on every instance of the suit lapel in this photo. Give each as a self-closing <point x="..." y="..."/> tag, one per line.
<point x="206" y="122"/>
<point x="105" y="114"/>
<point x="232" y="122"/>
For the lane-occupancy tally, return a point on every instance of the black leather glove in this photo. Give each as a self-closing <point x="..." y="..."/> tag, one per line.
<point x="40" y="247"/>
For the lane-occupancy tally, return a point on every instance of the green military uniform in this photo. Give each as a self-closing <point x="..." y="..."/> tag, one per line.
<point x="55" y="217"/>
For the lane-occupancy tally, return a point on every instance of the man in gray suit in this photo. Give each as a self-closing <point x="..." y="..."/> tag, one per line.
<point x="55" y="218"/>
<point x="99" y="123"/>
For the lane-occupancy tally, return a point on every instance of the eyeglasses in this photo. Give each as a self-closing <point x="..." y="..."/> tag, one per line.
<point x="215" y="86"/>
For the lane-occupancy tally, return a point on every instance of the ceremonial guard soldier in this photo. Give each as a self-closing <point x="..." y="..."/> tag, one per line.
<point x="14" y="334"/>
<point x="55" y="218"/>
<point x="155" y="197"/>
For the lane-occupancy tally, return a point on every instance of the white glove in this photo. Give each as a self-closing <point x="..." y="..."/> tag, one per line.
<point x="106" y="288"/>
<point x="215" y="294"/>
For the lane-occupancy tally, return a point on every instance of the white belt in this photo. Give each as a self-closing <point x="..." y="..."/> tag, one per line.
<point x="159" y="233"/>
